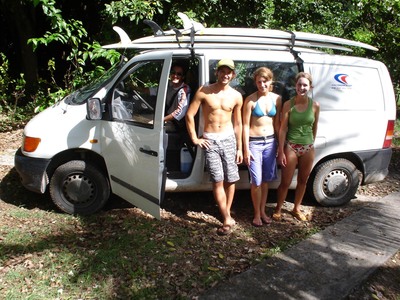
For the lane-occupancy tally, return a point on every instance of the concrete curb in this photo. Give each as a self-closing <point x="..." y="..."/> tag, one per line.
<point x="7" y="157"/>
<point x="329" y="264"/>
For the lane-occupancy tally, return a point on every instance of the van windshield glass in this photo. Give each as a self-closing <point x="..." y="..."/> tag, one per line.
<point x="82" y="94"/>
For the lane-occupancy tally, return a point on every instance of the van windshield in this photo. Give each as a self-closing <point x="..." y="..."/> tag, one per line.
<point x="81" y="95"/>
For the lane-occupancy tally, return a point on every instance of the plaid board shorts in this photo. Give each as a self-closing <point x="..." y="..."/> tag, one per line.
<point x="221" y="160"/>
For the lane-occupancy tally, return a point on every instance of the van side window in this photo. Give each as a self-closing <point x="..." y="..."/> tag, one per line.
<point x="284" y="75"/>
<point x="134" y="96"/>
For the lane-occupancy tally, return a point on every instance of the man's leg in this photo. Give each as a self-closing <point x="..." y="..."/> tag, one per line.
<point x="224" y="197"/>
<point x="229" y="188"/>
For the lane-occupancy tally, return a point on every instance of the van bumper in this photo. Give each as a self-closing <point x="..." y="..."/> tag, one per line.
<point x="376" y="164"/>
<point x="32" y="172"/>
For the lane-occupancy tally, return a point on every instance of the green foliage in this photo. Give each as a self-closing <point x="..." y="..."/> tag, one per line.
<point x="216" y="13"/>
<point x="374" y="22"/>
<point x="86" y="58"/>
<point x="11" y="91"/>
<point x="134" y="10"/>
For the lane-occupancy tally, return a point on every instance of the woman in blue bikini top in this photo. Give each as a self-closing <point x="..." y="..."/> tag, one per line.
<point x="258" y="112"/>
<point x="261" y="112"/>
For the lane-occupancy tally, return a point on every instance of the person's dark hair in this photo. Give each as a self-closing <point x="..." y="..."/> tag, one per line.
<point x="181" y="65"/>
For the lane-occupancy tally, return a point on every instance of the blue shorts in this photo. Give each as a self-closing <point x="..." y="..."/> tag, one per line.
<point x="263" y="166"/>
<point x="221" y="160"/>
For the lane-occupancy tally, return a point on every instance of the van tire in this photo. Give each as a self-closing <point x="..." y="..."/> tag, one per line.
<point x="78" y="187"/>
<point x="334" y="182"/>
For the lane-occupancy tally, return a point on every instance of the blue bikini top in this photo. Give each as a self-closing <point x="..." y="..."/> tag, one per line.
<point x="258" y="112"/>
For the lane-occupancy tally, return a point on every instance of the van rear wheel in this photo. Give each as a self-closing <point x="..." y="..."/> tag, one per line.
<point x="78" y="187"/>
<point x="335" y="182"/>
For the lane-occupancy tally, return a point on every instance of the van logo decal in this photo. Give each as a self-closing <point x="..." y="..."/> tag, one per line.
<point x="341" y="82"/>
<point x="341" y="78"/>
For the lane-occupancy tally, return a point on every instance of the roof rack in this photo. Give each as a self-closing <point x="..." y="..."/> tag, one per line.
<point x="195" y="35"/>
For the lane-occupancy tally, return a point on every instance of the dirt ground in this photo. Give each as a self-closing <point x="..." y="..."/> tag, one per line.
<point x="383" y="284"/>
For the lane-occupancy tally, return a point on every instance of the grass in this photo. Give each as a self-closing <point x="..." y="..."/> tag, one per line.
<point x="396" y="138"/>
<point x="124" y="254"/>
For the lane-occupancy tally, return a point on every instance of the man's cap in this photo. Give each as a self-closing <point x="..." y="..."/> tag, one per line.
<point x="227" y="63"/>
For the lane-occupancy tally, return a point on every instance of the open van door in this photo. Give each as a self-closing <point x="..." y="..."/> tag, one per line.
<point x="134" y="139"/>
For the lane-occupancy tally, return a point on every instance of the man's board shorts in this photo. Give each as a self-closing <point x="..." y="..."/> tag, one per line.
<point x="263" y="167"/>
<point x="221" y="156"/>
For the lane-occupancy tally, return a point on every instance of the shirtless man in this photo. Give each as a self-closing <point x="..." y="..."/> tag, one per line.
<point x="222" y="139"/>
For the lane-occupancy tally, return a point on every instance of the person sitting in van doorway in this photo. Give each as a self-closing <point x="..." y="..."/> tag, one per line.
<point x="178" y="97"/>
<point x="261" y="111"/>
<point x="222" y="136"/>
<point x="296" y="144"/>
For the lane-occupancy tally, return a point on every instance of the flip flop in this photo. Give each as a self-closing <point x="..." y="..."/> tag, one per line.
<point x="299" y="215"/>
<point x="276" y="217"/>
<point x="224" y="230"/>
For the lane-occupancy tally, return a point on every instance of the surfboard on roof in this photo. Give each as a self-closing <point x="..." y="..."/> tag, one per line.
<point x="195" y="35"/>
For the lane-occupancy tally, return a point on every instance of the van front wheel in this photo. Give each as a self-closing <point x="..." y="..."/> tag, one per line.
<point x="78" y="187"/>
<point x="335" y="182"/>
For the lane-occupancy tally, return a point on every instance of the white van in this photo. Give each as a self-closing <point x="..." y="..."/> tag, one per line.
<point x="109" y="137"/>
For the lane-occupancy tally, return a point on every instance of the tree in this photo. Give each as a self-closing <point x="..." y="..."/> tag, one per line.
<point x="70" y="32"/>
<point x="20" y="20"/>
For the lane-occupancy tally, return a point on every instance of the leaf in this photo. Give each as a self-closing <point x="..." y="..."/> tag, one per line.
<point x="221" y="256"/>
<point x="213" y="269"/>
<point x="170" y="243"/>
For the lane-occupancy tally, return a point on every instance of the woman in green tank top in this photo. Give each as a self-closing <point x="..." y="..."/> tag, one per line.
<point x="296" y="138"/>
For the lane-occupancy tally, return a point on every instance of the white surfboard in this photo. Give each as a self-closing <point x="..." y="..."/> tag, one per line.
<point x="201" y="39"/>
<point x="187" y="46"/>
<point x="234" y="36"/>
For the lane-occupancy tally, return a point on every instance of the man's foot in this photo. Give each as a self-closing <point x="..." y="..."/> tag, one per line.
<point x="276" y="216"/>
<point x="299" y="215"/>
<point x="257" y="223"/>
<point x="224" y="230"/>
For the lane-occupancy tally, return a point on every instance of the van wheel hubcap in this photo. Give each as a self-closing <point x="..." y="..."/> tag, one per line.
<point x="78" y="188"/>
<point x="336" y="183"/>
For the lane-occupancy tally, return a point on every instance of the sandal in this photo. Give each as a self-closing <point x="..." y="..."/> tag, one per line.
<point x="299" y="215"/>
<point x="224" y="230"/>
<point x="277" y="217"/>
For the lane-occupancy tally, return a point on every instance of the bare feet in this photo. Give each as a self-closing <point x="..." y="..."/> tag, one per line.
<point x="266" y="220"/>
<point x="257" y="222"/>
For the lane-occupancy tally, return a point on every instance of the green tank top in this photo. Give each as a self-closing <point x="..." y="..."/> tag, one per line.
<point x="300" y="124"/>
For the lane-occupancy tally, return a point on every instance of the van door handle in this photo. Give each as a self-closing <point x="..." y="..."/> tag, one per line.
<point x="149" y="152"/>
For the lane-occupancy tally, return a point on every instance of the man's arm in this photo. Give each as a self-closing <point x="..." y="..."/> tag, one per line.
<point x="190" y="114"/>
<point x="182" y="100"/>
<point x="237" y="125"/>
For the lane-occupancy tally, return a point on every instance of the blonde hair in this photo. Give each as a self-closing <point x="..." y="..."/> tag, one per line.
<point x="306" y="76"/>
<point x="264" y="72"/>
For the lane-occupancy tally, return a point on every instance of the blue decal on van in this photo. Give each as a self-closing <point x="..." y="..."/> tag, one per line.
<point x="341" y="78"/>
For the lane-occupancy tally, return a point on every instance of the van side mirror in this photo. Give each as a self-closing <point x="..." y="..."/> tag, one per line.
<point x="94" y="109"/>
